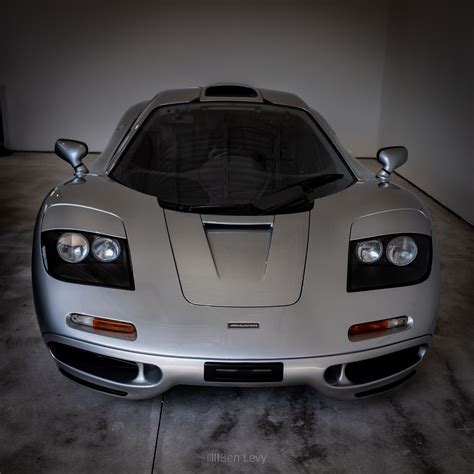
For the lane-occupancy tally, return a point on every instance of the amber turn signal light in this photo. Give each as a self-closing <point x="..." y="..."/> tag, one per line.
<point x="375" y="326"/>
<point x="109" y="325"/>
<point x="102" y="323"/>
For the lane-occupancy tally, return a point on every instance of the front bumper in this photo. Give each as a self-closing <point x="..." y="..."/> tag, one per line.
<point x="140" y="376"/>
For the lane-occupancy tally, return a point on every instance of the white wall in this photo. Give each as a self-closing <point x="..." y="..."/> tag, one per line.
<point x="428" y="101"/>
<point x="71" y="68"/>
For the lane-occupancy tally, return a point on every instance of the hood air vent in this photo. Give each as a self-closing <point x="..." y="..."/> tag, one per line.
<point x="230" y="91"/>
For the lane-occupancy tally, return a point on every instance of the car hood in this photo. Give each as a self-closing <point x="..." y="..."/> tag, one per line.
<point x="239" y="261"/>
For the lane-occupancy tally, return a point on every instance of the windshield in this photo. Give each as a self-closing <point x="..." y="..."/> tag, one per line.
<point x="232" y="158"/>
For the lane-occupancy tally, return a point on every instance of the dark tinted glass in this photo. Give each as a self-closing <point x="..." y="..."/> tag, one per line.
<point x="229" y="155"/>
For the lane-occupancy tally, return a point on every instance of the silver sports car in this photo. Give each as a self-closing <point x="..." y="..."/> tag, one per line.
<point x="225" y="237"/>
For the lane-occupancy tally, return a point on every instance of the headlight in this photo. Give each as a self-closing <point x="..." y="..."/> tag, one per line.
<point x="369" y="251"/>
<point x="72" y="247"/>
<point x="401" y="251"/>
<point x="87" y="258"/>
<point x="105" y="249"/>
<point x="406" y="261"/>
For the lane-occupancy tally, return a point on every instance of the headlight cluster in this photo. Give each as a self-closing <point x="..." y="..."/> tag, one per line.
<point x="87" y="258"/>
<point x="73" y="247"/>
<point x="401" y="251"/>
<point x="388" y="261"/>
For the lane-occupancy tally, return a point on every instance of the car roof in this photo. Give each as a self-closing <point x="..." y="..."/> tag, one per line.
<point x="228" y="92"/>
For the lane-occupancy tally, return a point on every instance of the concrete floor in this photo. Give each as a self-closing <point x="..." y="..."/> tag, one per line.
<point x="47" y="424"/>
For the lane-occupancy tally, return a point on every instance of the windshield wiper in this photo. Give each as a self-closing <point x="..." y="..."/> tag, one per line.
<point x="296" y="193"/>
<point x="289" y="196"/>
<point x="309" y="184"/>
<point x="231" y="208"/>
<point x="213" y="208"/>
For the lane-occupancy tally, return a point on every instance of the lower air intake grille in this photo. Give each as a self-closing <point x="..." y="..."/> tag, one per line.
<point x="243" y="372"/>
<point x="93" y="386"/>
<point x="377" y="368"/>
<point x="105" y="367"/>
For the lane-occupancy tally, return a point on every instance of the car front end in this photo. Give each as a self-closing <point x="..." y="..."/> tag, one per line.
<point x="338" y="291"/>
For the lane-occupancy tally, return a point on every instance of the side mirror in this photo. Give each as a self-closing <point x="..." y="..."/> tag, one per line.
<point x="390" y="158"/>
<point x="73" y="152"/>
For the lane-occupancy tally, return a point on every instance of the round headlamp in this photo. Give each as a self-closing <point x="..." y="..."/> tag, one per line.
<point x="72" y="247"/>
<point x="401" y="250"/>
<point x="369" y="251"/>
<point x="105" y="249"/>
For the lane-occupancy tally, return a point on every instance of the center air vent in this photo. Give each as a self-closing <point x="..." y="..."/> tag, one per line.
<point x="243" y="372"/>
<point x="231" y="91"/>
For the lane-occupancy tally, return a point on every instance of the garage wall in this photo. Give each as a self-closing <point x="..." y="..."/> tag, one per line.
<point x="70" y="69"/>
<point x="427" y="100"/>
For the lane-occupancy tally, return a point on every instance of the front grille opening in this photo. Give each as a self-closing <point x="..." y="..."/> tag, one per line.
<point x="243" y="372"/>
<point x="369" y="370"/>
<point x="93" y="386"/>
<point x="105" y="367"/>
<point x="230" y="91"/>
